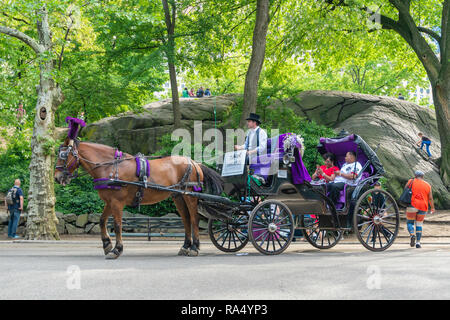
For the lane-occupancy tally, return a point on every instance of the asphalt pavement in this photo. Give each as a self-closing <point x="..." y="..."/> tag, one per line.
<point x="152" y="270"/>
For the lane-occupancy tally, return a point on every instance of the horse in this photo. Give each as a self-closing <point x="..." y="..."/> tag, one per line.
<point x="101" y="161"/>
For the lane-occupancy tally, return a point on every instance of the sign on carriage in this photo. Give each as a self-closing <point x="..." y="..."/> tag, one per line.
<point x="233" y="163"/>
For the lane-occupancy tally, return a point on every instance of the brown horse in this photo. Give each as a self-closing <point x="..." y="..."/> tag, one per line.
<point x="101" y="162"/>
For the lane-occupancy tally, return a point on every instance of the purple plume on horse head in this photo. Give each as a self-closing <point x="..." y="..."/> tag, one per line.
<point x="74" y="127"/>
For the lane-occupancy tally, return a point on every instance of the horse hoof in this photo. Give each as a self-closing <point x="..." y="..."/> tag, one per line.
<point x="183" y="252"/>
<point x="193" y="253"/>
<point x="113" y="255"/>
<point x="108" y="249"/>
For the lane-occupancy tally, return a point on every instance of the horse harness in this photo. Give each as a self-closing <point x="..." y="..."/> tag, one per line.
<point x="143" y="174"/>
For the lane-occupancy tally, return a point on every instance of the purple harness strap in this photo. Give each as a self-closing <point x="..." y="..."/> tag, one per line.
<point x="98" y="185"/>
<point x="138" y="167"/>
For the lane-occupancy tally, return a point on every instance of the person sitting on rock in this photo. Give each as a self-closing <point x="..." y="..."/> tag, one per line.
<point x="349" y="174"/>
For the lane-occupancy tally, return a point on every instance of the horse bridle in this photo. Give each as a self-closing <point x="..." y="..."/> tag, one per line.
<point x="63" y="154"/>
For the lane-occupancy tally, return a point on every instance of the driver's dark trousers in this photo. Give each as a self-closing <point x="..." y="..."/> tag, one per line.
<point x="334" y="190"/>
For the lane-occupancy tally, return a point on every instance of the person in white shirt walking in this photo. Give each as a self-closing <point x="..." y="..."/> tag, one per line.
<point x="349" y="174"/>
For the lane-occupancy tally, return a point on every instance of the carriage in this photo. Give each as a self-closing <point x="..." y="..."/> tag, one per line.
<point x="268" y="214"/>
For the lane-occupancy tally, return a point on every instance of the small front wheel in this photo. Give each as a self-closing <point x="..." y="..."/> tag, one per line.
<point x="229" y="235"/>
<point x="271" y="227"/>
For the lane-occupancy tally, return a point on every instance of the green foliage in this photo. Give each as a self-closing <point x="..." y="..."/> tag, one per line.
<point x="15" y="160"/>
<point x="78" y="197"/>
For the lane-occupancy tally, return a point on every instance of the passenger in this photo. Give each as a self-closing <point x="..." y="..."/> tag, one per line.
<point x="349" y="174"/>
<point x="326" y="172"/>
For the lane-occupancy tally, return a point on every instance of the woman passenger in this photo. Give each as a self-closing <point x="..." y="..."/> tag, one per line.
<point x="327" y="171"/>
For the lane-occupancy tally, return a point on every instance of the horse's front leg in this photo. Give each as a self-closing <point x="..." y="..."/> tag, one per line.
<point x="192" y="205"/>
<point x="118" y="249"/>
<point x="184" y="214"/>
<point x="106" y="239"/>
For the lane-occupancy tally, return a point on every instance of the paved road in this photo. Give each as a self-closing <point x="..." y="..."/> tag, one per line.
<point x="152" y="270"/>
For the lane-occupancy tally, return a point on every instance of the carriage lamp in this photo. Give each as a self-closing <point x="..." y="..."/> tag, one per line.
<point x="286" y="159"/>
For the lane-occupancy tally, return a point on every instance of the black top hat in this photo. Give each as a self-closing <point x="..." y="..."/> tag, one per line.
<point x="254" y="117"/>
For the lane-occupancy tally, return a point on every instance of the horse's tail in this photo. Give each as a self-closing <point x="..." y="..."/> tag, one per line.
<point x="212" y="181"/>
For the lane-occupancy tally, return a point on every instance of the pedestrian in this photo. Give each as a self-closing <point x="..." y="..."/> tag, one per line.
<point x="420" y="198"/>
<point x="424" y="141"/>
<point x="14" y="203"/>
<point x="191" y="93"/>
<point x="400" y="96"/>
<point x="200" y="92"/>
<point x="207" y="93"/>
<point x="185" y="93"/>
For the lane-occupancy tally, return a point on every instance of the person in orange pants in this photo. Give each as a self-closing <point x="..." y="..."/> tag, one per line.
<point x="421" y="197"/>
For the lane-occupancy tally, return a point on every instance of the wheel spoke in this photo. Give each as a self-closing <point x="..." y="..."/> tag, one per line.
<point x="220" y="230"/>
<point x="243" y="234"/>
<point x="221" y="235"/>
<point x="364" y="223"/>
<point x="225" y="239"/>
<point x="257" y="238"/>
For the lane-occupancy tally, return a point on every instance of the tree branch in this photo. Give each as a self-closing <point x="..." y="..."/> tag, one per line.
<point x="445" y="29"/>
<point x="17" y="19"/>
<point x="65" y="40"/>
<point x="430" y="33"/>
<point x="24" y="38"/>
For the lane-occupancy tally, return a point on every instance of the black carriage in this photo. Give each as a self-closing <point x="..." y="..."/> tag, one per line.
<point x="268" y="214"/>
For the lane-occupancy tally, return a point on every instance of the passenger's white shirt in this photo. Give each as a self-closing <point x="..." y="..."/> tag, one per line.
<point x="349" y="168"/>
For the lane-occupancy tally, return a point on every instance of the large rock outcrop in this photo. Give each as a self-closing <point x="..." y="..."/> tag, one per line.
<point x="389" y="123"/>
<point x="141" y="132"/>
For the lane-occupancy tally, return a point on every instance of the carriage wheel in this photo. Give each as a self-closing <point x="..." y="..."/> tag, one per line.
<point x="319" y="238"/>
<point x="376" y="220"/>
<point x="229" y="235"/>
<point x="271" y="227"/>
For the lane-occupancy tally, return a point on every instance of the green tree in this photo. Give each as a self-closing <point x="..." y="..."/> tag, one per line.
<point x="425" y="27"/>
<point x="41" y="222"/>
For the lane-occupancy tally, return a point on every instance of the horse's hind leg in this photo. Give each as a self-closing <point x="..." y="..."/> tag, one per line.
<point x="192" y="204"/>
<point x="106" y="239"/>
<point x="184" y="214"/>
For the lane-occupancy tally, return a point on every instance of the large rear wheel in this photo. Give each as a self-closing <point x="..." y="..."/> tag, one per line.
<point x="271" y="227"/>
<point x="376" y="219"/>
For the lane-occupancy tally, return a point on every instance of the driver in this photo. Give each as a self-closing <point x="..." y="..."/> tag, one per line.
<point x="349" y="174"/>
<point x="255" y="141"/>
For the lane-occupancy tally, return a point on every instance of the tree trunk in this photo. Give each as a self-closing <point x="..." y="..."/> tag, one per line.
<point x="441" y="99"/>
<point x="256" y="61"/>
<point x="170" y="54"/>
<point x="41" y="222"/>
<point x="175" y="98"/>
